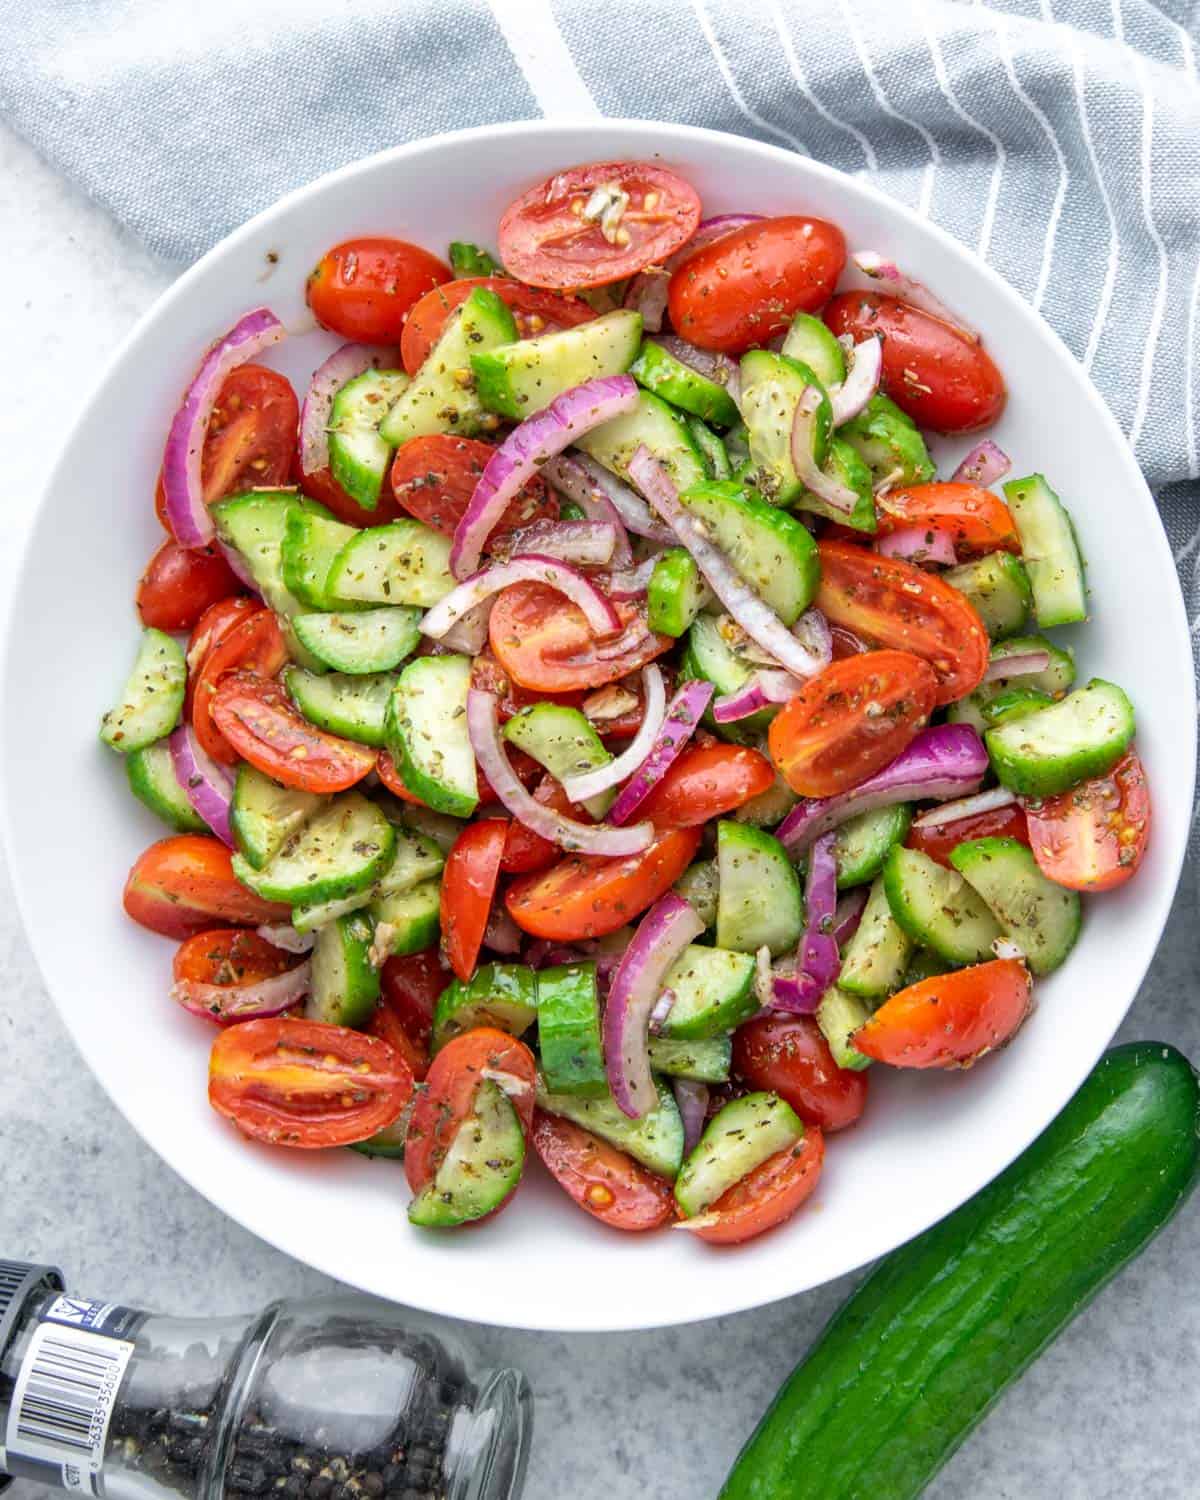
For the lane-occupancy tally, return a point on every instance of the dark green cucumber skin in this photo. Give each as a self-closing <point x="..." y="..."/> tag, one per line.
<point x="928" y="1343"/>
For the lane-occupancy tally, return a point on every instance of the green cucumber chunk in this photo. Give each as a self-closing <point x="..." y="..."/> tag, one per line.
<point x="937" y="908"/>
<point x="714" y="993"/>
<point x="664" y="433"/>
<point x="265" y="815"/>
<point x="406" y="921"/>
<point x="707" y="1061"/>
<point x="863" y="843"/>
<point x="676" y="592"/>
<point x="657" y="369"/>
<point x="656" y="1139"/>
<point x="887" y="441"/>
<point x="712" y="450"/>
<point x="481" y="1168"/>
<point x="404" y="562"/>
<point x="711" y="655"/>
<point x="437" y="827"/>
<point x="501" y="995"/>
<point x="358" y="455"/>
<point x="467" y="259"/>
<point x="924" y="964"/>
<point x="741" y="1136"/>
<point x="1054" y="749"/>
<point x="1042" y="918"/>
<point x="769" y="808"/>
<point x="416" y="860"/>
<point x="343" y="849"/>
<point x="839" y="1015"/>
<point x="699" y="884"/>
<point x="771" y="387"/>
<point x="306" y="555"/>
<point x="817" y="346"/>
<point x="1014" y="703"/>
<point x="152" y="700"/>
<point x="353" y="707"/>
<point x="564" y="742"/>
<point x="345" y="984"/>
<point x="844" y="464"/>
<point x="254" y="525"/>
<point x="427" y="735"/>
<point x="876" y="956"/>
<point x="518" y="379"/>
<point x="997" y="585"/>
<point x="569" y="1040"/>
<point x="1054" y="680"/>
<point x="760" y="902"/>
<point x="152" y="780"/>
<point x="1051" y="551"/>
<point x="372" y="640"/>
<point x="772" y="551"/>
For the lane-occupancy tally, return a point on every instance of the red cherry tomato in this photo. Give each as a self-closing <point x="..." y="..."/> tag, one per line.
<point x="745" y="288"/>
<point x="765" y="1197"/>
<point x="257" y="718"/>
<point x="846" y="643"/>
<point x="387" y="1026"/>
<point x="468" y="886"/>
<point x="886" y="600"/>
<point x="526" y="851"/>
<point x="951" y="1020"/>
<point x="1093" y="837"/>
<point x="585" y="897"/>
<point x="942" y="839"/>
<point x="306" y="1084"/>
<point x="215" y="624"/>
<point x="320" y="485"/>
<point x="410" y="985"/>
<point x="549" y="236"/>
<point x="937" y="375"/>
<point x="434" y="477"/>
<point x="788" y="1056"/>
<point x="180" y="583"/>
<point x="233" y="961"/>
<point x="851" y="720"/>
<point x="543" y="641"/>
<point x="252" y="644"/>
<point x="606" y="1183"/>
<point x="186" y="884"/>
<point x="975" y="519"/>
<point x="364" y="288"/>
<point x="534" y="312"/>
<point x="707" y="782"/>
<point x="490" y="677"/>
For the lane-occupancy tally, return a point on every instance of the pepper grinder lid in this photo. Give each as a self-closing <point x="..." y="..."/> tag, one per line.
<point x="19" y="1280"/>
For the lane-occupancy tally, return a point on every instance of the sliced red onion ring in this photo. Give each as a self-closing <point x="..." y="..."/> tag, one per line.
<point x="966" y="807"/>
<point x="945" y="761"/>
<point x="919" y="544"/>
<point x="526" y="449"/>
<point x="662" y="1009"/>
<point x="531" y="567"/>
<point x="571" y="479"/>
<point x="909" y="290"/>
<point x="1022" y="665"/>
<point x="715" y="367"/>
<point x="629" y="505"/>
<point x="692" y="1100"/>
<point x="209" y="786"/>
<point x="584" y="838"/>
<point x="762" y="689"/>
<point x="678" y="725"/>
<point x="848" y="914"/>
<point x="225" y="1003"/>
<point x="631" y="583"/>
<point x="849" y="398"/>
<point x="502" y="935"/>
<point x="284" y="935"/>
<point x="647" y="294"/>
<point x="986" y="464"/>
<point x="756" y="618"/>
<point x="804" y="434"/>
<point x="468" y="635"/>
<point x="342" y="365"/>
<point x="191" y="523"/>
<point x="818" y="962"/>
<point x="662" y="935"/>
<point x="592" y="783"/>
<point x="587" y="544"/>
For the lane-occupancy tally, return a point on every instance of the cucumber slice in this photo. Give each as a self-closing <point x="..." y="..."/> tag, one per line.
<point x="813" y="344"/>
<point x="937" y="907"/>
<point x="441" y="396"/>
<point x="563" y="741"/>
<point x="1055" y="680"/>
<point x="656" y="1140"/>
<point x="407" y="921"/>
<point x="501" y="995"/>
<point x="345" y="848"/>
<point x="863" y="843"/>
<point x="345" y="984"/>
<point x="467" y="259"/>
<point x="924" y="964"/>
<point x="1042" y="918"/>
<point x="1014" y="703"/>
<point x="404" y="562"/>
<point x="741" y="1136"/>
<point x="358" y="456"/>
<point x="1056" y="748"/>
<point x="998" y="587"/>
<point x="714" y="993"/>
<point x="712" y="450"/>
<point x="372" y="640"/>
<point x="306" y="555"/>
<point x="152" y="701"/>
<point x="876" y="957"/>
<point x="416" y="860"/>
<point x="568" y="1018"/>
<point x="676" y="592"/>
<point x="710" y="655"/>
<point x="265" y="815"/>
<point x="659" y="371"/>
<point x="521" y="378"/>
<point x="427" y="733"/>
<point x="440" y="830"/>
<point x="481" y="1168"/>
<point x="772" y="551"/>
<point x="254" y="525"/>
<point x="388" y="1142"/>
<point x="772" y="385"/>
<point x="654" y="423"/>
<point x="707" y="1061"/>
<point x="152" y="780"/>
<point x="845" y="465"/>
<point x="1050" y="550"/>
<point x="769" y="808"/>
<point x="699" y="885"/>
<point x="353" y="707"/>
<point x="887" y="441"/>
<point x="839" y="1016"/>
<point x="759" y="902"/>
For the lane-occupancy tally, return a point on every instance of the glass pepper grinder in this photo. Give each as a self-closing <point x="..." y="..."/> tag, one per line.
<point x="334" y="1399"/>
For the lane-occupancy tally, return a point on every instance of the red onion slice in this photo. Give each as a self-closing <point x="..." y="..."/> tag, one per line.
<point x="804" y="435"/>
<point x="849" y="398"/>
<point x="526" y="449"/>
<point x="225" y="1003"/>
<point x="209" y="786"/>
<point x="708" y="231"/>
<point x="919" y="544"/>
<point x="762" y="689"/>
<point x="818" y="962"/>
<point x="570" y="478"/>
<point x="592" y="783"/>
<point x="678" y="725"/>
<point x="183" y="490"/>
<point x="502" y="935"/>
<point x="662" y="935"/>
<point x="909" y="290"/>
<point x="718" y="368"/>
<point x="848" y="914"/>
<point x="647" y="294"/>
<point x="692" y="1099"/>
<point x="986" y="464"/>
<point x="587" y="544"/>
<point x="629" y="505"/>
<point x="469" y="635"/>
<point x="631" y="583"/>
<point x="531" y="567"/>
<point x="663" y="1007"/>
<point x="1023" y="665"/>
<point x="966" y="807"/>
<point x="483" y="725"/>
<point x="284" y="935"/>
<point x="341" y="366"/>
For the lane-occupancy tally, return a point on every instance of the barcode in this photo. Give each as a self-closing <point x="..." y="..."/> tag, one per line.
<point x="67" y="1392"/>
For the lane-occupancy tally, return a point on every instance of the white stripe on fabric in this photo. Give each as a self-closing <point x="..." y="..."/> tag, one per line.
<point x="533" y="38"/>
<point x="735" y="93"/>
<point x="1160" y="295"/>
<point x="793" y="62"/>
<point x="1189" y="380"/>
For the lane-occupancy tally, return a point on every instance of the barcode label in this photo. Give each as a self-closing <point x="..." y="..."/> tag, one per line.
<point x="63" y="1402"/>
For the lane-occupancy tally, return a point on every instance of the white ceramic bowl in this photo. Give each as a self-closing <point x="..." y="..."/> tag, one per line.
<point x="927" y="1142"/>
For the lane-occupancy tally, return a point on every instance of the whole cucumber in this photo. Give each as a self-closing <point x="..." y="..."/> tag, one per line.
<point x="920" y="1351"/>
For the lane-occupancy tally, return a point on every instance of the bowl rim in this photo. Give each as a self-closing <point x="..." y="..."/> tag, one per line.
<point x="739" y="1294"/>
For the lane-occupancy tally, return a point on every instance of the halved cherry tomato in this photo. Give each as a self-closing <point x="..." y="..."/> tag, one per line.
<point x="707" y="782"/>
<point x="788" y="1056"/>
<point x="215" y="624"/>
<point x="940" y="841"/>
<point x="410" y="984"/>
<point x="765" y="1197"/>
<point x="490" y="677"/>
<point x="1093" y="837"/>
<point x="306" y="1084"/>
<point x="851" y="720"/>
<point x="258" y="719"/>
<point x="937" y="375"/>
<point x="887" y="600"/>
<point x="533" y="311"/>
<point x="543" y="641"/>
<point x="585" y="897"/>
<point x="434" y="477"/>
<point x="185" y="884"/>
<point x="468" y="886"/>
<point x="609" y="1185"/>
<point x="454" y="1075"/>
<point x="951" y="1020"/>
<point x="253" y="644"/>
<point x="526" y="851"/>
<point x="977" y="520"/>
<point x="180" y="583"/>
<point x="364" y="288"/>
<point x="745" y="288"/>
<point x="387" y="1026"/>
<point x="320" y="485"/>
<point x="551" y="237"/>
<point x="250" y="438"/>
<point x="231" y="956"/>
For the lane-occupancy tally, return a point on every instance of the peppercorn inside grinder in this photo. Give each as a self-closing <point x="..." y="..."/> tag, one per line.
<point x="340" y="1398"/>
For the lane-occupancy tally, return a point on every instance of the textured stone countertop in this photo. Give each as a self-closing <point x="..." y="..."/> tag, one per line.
<point x="1102" y="1416"/>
